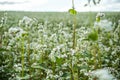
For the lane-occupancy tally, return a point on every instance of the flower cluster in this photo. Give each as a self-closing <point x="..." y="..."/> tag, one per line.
<point x="42" y="49"/>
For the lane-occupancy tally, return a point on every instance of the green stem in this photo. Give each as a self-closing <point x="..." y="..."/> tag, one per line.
<point x="53" y="68"/>
<point x="72" y="77"/>
<point x="94" y="54"/>
<point x="22" y="57"/>
<point x="74" y="45"/>
<point x="99" y="56"/>
<point x="29" y="59"/>
<point x="0" y="41"/>
<point x="78" y="73"/>
<point x="73" y="4"/>
<point x="74" y="32"/>
<point x="74" y="40"/>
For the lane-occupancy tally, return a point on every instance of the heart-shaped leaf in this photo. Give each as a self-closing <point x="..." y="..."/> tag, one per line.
<point x="72" y="11"/>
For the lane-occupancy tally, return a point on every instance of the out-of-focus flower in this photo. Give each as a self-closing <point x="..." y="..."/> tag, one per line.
<point x="18" y="67"/>
<point x="52" y="57"/>
<point x="14" y="30"/>
<point x="49" y="73"/>
<point x="98" y="16"/>
<point x="26" y="20"/>
<point x="17" y="32"/>
<point x="104" y="24"/>
<point x="35" y="46"/>
<point x="102" y="74"/>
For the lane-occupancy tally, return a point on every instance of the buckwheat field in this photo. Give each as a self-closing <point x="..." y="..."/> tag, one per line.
<point x="59" y="46"/>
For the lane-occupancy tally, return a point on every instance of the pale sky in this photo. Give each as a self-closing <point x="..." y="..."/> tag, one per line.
<point x="57" y="5"/>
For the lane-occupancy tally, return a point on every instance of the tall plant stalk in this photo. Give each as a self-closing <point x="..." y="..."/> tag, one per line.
<point x="74" y="43"/>
<point x="0" y="41"/>
<point x="28" y="51"/>
<point x="74" y="32"/>
<point x="74" y="38"/>
<point x="74" y="27"/>
<point x="22" y="55"/>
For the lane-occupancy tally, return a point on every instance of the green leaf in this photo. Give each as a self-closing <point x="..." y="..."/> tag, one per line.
<point x="24" y="34"/>
<point x="66" y="74"/>
<point x="72" y="11"/>
<point x="87" y="54"/>
<point x="59" y="61"/>
<point x="93" y="36"/>
<point x="84" y="67"/>
<point x="41" y="66"/>
<point x="2" y="49"/>
<point x="25" y="77"/>
<point x="98" y="19"/>
<point x="86" y="39"/>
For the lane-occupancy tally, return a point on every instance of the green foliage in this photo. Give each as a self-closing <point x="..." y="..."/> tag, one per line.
<point x="2" y="50"/>
<point x="93" y="35"/>
<point x="6" y="64"/>
<point x="40" y="66"/>
<point x="25" y="77"/>
<point x="49" y="37"/>
<point x="72" y="11"/>
<point x="98" y="19"/>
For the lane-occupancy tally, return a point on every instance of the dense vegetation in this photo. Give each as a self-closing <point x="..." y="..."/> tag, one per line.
<point x="38" y="46"/>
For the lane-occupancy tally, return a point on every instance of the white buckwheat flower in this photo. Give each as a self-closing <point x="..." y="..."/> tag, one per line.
<point x="102" y="74"/>
<point x="100" y="14"/>
<point x="104" y="24"/>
